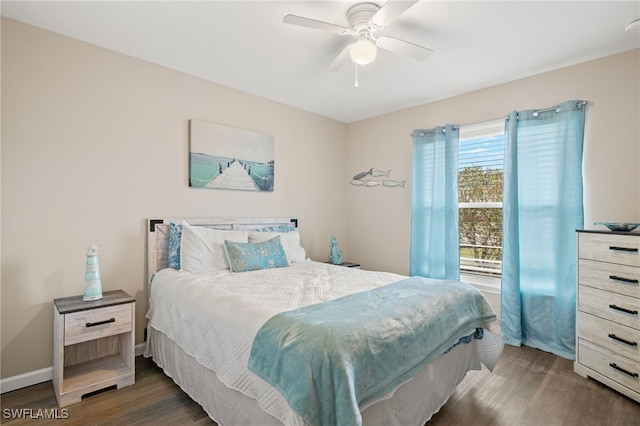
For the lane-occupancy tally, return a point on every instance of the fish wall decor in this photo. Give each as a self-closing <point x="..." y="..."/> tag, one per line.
<point x="359" y="179"/>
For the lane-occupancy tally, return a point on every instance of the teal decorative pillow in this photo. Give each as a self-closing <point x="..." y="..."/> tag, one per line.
<point x="245" y="257"/>
<point x="290" y="242"/>
<point x="175" y="234"/>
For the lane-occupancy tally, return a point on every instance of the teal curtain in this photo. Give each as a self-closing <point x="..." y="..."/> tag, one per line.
<point x="542" y="208"/>
<point x="434" y="250"/>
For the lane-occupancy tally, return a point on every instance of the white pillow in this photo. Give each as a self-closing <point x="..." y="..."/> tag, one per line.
<point x="202" y="249"/>
<point x="290" y="242"/>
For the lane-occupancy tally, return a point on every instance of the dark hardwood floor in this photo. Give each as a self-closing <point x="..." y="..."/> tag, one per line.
<point x="528" y="387"/>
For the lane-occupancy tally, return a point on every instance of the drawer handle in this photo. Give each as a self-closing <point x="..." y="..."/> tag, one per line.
<point x="627" y="372"/>
<point x="628" y="249"/>
<point x="93" y="324"/>
<point x="620" y="339"/>
<point x="628" y="311"/>
<point x="626" y="280"/>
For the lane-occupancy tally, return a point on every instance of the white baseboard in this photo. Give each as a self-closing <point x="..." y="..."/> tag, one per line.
<point x="140" y="348"/>
<point x="43" y="375"/>
<point x="27" y="379"/>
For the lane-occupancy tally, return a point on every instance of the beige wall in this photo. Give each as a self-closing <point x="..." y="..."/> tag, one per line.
<point x="379" y="217"/>
<point x="94" y="142"/>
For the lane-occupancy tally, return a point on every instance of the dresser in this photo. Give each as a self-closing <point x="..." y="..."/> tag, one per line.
<point x="608" y="310"/>
<point x="93" y="345"/>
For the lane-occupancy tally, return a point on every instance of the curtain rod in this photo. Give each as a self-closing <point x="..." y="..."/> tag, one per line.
<point x="432" y="130"/>
<point x="556" y="109"/>
<point x="536" y="113"/>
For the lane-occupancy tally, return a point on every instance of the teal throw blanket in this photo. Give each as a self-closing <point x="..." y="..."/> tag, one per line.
<point x="329" y="359"/>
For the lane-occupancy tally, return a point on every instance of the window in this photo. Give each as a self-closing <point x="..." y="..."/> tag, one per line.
<point x="480" y="170"/>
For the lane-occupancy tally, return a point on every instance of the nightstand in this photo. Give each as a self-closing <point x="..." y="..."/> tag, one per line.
<point x="93" y="345"/>
<point x="347" y="265"/>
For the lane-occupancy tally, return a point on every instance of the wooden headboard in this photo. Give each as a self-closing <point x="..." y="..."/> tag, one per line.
<point x="158" y="233"/>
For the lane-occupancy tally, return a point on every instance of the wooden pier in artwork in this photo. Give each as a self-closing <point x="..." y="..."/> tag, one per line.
<point x="233" y="177"/>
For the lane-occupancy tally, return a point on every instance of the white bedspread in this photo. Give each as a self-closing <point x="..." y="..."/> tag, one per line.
<point x="228" y="309"/>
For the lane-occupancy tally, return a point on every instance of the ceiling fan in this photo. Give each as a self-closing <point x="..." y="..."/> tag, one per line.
<point x="365" y="21"/>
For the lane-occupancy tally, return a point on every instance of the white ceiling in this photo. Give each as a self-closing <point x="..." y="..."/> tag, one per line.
<point x="245" y="45"/>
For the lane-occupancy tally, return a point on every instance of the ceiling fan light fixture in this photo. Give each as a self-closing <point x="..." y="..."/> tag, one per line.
<point x="633" y="26"/>
<point x="363" y="52"/>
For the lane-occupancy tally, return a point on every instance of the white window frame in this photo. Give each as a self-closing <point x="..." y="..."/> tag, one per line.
<point x="474" y="131"/>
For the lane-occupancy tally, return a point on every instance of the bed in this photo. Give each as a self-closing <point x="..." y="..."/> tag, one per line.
<point x="227" y="335"/>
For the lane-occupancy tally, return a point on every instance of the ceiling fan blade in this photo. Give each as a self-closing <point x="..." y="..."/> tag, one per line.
<point x="316" y="25"/>
<point x="405" y="48"/>
<point x="339" y="60"/>
<point x="391" y="10"/>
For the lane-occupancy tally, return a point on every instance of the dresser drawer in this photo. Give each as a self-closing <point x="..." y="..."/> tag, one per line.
<point x="612" y="306"/>
<point x="620" y="279"/>
<point x="612" y="248"/>
<point x="97" y="323"/>
<point x="616" y="337"/>
<point x="617" y="367"/>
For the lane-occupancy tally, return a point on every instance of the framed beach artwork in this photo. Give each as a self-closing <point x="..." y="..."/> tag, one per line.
<point x="223" y="157"/>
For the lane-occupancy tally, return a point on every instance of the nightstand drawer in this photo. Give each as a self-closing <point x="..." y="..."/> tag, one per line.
<point x="612" y="306"/>
<point x="616" y="367"/>
<point x="610" y="335"/>
<point x="620" y="279"/>
<point x="612" y="248"/>
<point x="97" y="323"/>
